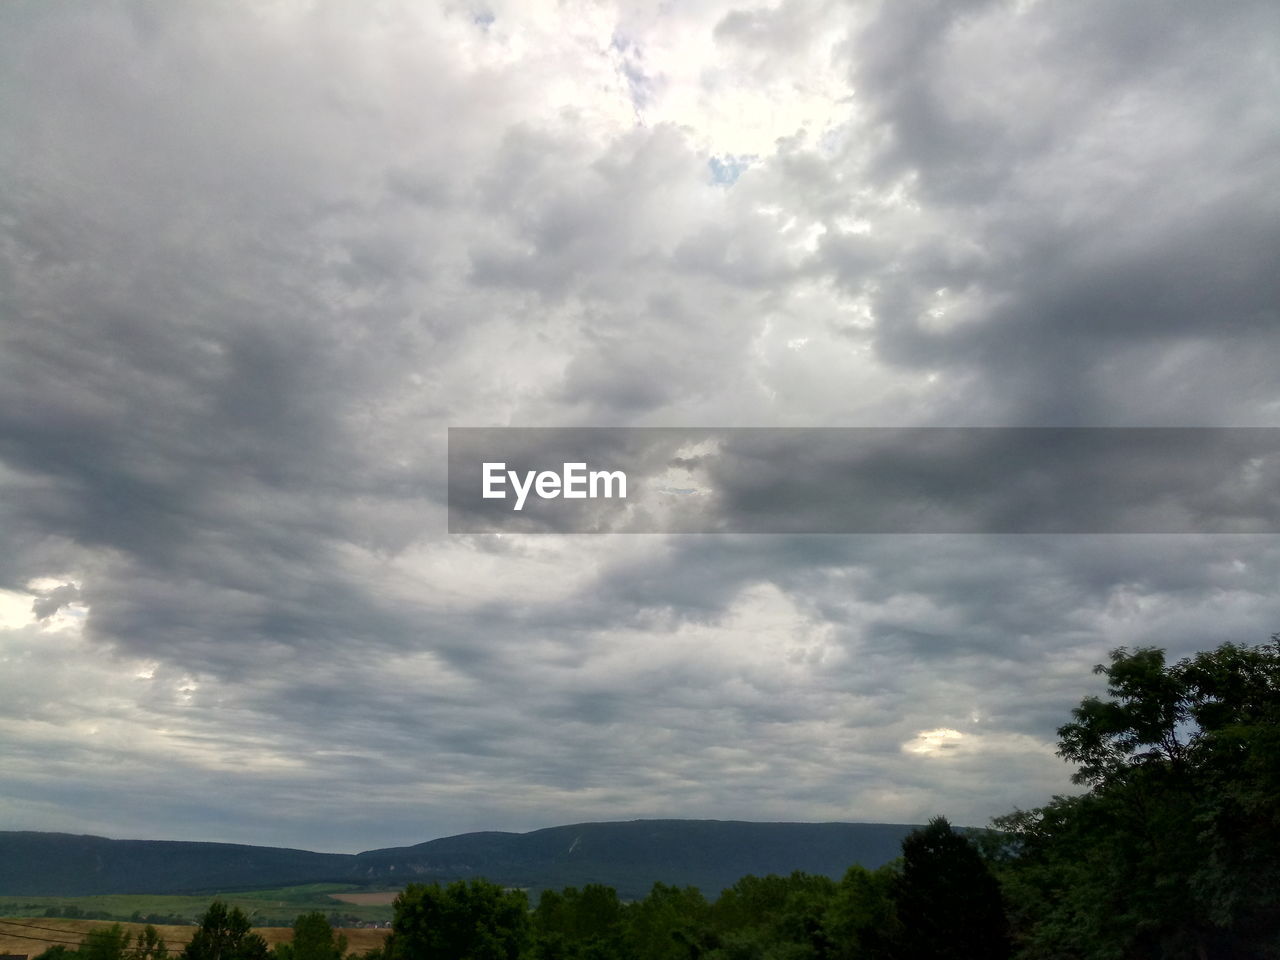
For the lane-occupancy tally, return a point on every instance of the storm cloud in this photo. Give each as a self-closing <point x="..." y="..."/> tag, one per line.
<point x="256" y="261"/>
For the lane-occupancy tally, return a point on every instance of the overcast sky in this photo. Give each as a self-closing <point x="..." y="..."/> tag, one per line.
<point x="255" y="260"/>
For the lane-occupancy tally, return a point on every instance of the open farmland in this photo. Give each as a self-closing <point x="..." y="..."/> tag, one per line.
<point x="267" y="908"/>
<point x="380" y="898"/>
<point x="27" y="935"/>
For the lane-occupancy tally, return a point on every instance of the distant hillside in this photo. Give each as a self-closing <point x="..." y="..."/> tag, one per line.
<point x="63" y="864"/>
<point x="630" y="856"/>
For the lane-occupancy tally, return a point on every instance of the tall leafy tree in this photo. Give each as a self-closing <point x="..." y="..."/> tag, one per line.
<point x="105" y="943"/>
<point x="313" y="939"/>
<point x="948" y="903"/>
<point x="225" y="934"/>
<point x="148" y="946"/>
<point x="1172" y="852"/>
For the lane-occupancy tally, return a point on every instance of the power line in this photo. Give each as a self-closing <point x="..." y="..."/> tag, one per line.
<point x="62" y="930"/>
<point x="27" y="936"/>
<point x="36" y="926"/>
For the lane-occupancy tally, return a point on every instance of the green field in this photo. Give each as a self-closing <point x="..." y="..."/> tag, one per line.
<point x="265" y="908"/>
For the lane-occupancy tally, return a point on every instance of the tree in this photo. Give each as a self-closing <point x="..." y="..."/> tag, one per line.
<point x="775" y="916"/>
<point x="148" y="946"/>
<point x="225" y="935"/>
<point x="313" y="939"/>
<point x="861" y="920"/>
<point x="573" y="923"/>
<point x="471" y="920"/>
<point x="671" y="923"/>
<point x="1172" y="851"/>
<point x="105" y="943"/>
<point x="947" y="901"/>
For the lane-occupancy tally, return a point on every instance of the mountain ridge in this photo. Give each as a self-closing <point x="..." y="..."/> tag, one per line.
<point x="627" y="855"/>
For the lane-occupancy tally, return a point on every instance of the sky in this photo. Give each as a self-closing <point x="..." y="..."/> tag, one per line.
<point x="257" y="258"/>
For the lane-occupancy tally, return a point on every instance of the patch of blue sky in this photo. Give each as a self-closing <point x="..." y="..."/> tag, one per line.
<point x="639" y="85"/>
<point x="727" y="168"/>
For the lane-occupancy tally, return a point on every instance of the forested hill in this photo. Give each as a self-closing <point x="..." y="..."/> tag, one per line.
<point x="630" y="856"/>
<point x="63" y="864"/>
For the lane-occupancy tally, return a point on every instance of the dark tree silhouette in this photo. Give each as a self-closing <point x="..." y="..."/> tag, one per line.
<point x="948" y="903"/>
<point x="225" y="935"/>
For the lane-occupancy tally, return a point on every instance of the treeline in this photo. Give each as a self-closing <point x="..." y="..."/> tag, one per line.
<point x="336" y="918"/>
<point x="940" y="892"/>
<point x="1172" y="852"/>
<point x="72" y="912"/>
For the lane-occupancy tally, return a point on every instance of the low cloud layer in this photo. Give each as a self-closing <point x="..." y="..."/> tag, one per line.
<point x="256" y="262"/>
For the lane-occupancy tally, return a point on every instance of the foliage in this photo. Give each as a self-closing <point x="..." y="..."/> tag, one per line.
<point x="774" y="916"/>
<point x="313" y="939"/>
<point x="225" y="934"/>
<point x="862" y="919"/>
<point x="669" y="924"/>
<point x="111" y="943"/>
<point x="1172" y="853"/>
<point x="58" y="952"/>
<point x="148" y="946"/>
<point x="948" y="902"/>
<point x="578" y="924"/>
<point x="105" y="943"/>
<point x="467" y="920"/>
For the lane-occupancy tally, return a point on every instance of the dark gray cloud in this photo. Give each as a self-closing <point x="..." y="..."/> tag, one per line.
<point x="1103" y="213"/>
<point x="253" y="265"/>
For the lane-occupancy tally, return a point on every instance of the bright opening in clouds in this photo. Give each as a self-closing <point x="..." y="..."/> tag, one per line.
<point x="257" y="259"/>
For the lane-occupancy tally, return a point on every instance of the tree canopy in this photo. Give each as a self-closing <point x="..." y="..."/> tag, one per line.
<point x="467" y="920"/>
<point x="225" y="934"/>
<point x="948" y="903"/>
<point x="1172" y="852"/>
<point x="313" y="939"/>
